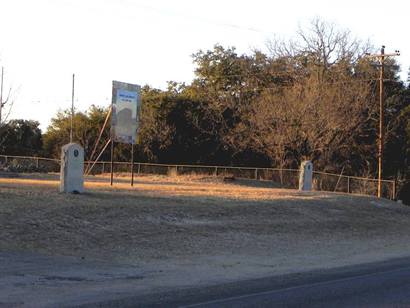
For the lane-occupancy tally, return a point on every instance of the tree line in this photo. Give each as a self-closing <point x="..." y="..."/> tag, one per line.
<point x="313" y="98"/>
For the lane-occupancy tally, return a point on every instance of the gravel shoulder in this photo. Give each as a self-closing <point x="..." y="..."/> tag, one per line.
<point x="180" y="232"/>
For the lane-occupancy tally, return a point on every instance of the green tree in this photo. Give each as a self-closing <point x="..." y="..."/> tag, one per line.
<point x="21" y="137"/>
<point x="86" y="127"/>
<point x="397" y="147"/>
<point x="315" y="99"/>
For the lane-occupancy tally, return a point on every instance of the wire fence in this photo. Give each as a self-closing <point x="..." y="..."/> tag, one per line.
<point x="284" y="178"/>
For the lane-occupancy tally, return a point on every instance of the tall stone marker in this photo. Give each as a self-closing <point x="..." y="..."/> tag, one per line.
<point x="305" y="176"/>
<point x="72" y="169"/>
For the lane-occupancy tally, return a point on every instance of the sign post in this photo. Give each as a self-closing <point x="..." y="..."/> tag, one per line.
<point x="132" y="164"/>
<point x="126" y="105"/>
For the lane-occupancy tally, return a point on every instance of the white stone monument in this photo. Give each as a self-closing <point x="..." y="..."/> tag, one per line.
<point x="305" y="176"/>
<point x="72" y="169"/>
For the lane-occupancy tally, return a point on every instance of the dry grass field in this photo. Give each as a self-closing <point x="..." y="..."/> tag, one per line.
<point x="116" y="222"/>
<point x="193" y="186"/>
<point x="177" y="217"/>
<point x="168" y="233"/>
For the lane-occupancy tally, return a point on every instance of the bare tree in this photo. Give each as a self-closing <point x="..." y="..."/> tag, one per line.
<point x="321" y="44"/>
<point x="7" y="99"/>
<point x="325" y="111"/>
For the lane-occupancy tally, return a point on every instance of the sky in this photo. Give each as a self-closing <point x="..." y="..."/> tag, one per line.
<point x="43" y="42"/>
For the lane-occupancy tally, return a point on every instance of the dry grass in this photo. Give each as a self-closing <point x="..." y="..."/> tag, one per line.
<point x="184" y="231"/>
<point x="190" y="186"/>
<point x="181" y="217"/>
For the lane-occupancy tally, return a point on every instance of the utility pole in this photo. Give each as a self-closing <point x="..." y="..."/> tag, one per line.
<point x="381" y="124"/>
<point x="381" y="58"/>
<point x="72" y="111"/>
<point x="1" y="92"/>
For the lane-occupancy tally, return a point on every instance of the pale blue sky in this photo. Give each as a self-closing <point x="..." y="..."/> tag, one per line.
<point x="43" y="42"/>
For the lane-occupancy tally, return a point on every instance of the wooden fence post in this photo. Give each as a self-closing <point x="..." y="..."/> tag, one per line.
<point x="348" y="184"/>
<point x="394" y="190"/>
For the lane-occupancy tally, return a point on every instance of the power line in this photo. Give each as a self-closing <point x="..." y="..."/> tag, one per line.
<point x="325" y="83"/>
<point x="287" y="74"/>
<point x="199" y="19"/>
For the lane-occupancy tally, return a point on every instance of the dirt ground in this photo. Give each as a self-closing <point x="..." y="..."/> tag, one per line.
<point x="197" y="230"/>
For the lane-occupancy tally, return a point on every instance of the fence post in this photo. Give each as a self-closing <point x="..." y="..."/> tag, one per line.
<point x="103" y="168"/>
<point x="348" y="184"/>
<point x="37" y="163"/>
<point x="394" y="190"/>
<point x="139" y="168"/>
<point x="256" y="173"/>
<point x="281" y="177"/>
<point x="216" y="171"/>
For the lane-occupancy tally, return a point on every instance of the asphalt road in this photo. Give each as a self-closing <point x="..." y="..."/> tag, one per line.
<point x="382" y="284"/>
<point x="390" y="288"/>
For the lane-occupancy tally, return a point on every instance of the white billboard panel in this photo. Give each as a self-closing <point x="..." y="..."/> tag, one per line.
<point x="126" y="101"/>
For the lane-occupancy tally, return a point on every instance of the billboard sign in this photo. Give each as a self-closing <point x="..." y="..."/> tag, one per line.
<point x="126" y="103"/>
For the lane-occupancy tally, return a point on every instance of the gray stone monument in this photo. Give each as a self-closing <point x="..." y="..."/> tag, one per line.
<point x="72" y="169"/>
<point x="305" y="176"/>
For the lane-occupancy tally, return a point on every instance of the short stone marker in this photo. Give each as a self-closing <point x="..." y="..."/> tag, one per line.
<point x="72" y="169"/>
<point x="305" y="176"/>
